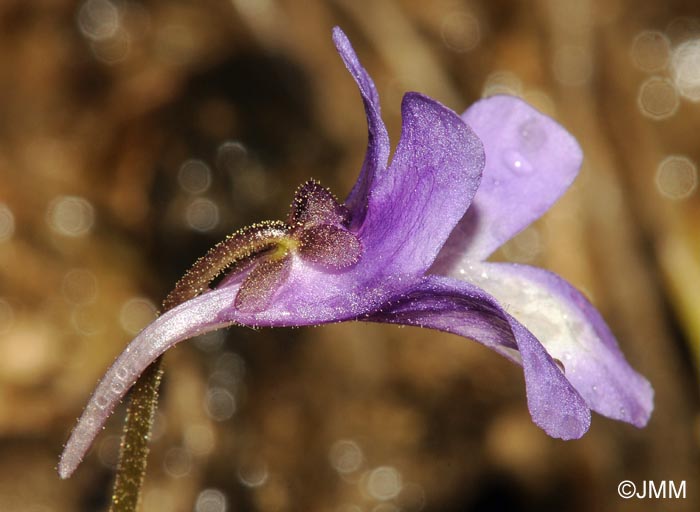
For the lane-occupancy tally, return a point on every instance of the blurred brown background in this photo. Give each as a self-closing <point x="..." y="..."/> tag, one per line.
<point x="134" y="135"/>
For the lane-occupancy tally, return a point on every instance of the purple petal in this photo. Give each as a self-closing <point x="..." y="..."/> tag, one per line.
<point x="417" y="202"/>
<point x="378" y="138"/>
<point x="194" y="317"/>
<point x="573" y="332"/>
<point x="530" y="161"/>
<point x="462" y="308"/>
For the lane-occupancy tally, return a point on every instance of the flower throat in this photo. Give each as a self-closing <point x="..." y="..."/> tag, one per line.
<point x="316" y="230"/>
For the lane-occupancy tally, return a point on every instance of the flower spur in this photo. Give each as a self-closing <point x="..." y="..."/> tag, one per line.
<point x="408" y="247"/>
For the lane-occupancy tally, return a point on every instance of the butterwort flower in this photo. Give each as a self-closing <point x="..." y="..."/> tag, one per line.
<point x="408" y="246"/>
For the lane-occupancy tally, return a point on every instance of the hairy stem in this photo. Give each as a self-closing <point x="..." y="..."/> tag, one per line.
<point x="133" y="451"/>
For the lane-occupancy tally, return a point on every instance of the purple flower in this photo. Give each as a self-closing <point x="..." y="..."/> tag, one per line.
<point x="408" y="247"/>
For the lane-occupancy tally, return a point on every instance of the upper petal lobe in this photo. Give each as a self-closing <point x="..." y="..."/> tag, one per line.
<point x="378" y="138"/>
<point x="530" y="161"/>
<point x="416" y="203"/>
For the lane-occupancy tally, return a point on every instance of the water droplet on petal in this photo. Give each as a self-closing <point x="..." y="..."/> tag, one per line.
<point x="532" y="135"/>
<point x="516" y="162"/>
<point x="101" y="401"/>
<point x="117" y="387"/>
<point x="623" y="412"/>
<point x="595" y="388"/>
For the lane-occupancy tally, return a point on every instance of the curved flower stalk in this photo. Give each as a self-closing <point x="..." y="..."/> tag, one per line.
<point x="408" y="247"/>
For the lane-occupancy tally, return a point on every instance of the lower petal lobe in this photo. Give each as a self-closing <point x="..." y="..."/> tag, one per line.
<point x="573" y="332"/>
<point x="461" y="308"/>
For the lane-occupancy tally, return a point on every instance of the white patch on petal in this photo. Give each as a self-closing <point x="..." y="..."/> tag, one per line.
<point x="557" y="327"/>
<point x="556" y="316"/>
